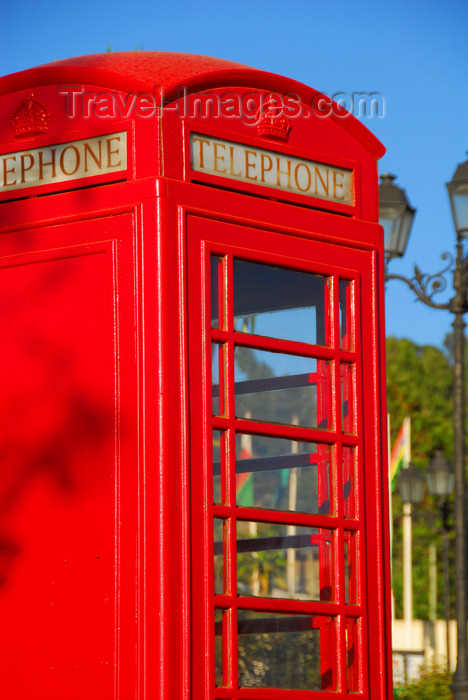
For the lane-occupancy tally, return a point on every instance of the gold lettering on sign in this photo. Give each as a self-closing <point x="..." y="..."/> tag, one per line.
<point x="23" y="166"/>
<point x="218" y="157"/>
<point x="96" y="158"/>
<point x="7" y="170"/>
<point x="200" y="153"/>
<point x="336" y="184"/>
<point x="283" y="172"/>
<point x="308" y="177"/>
<point x="231" y="163"/>
<point x="263" y="168"/>
<point x="64" y="162"/>
<point x="271" y="169"/>
<point x="51" y="163"/>
<point x="319" y="177"/>
<point x="112" y="152"/>
<point x="249" y="165"/>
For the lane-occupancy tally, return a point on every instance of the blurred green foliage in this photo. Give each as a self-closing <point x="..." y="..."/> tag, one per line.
<point x="433" y="684"/>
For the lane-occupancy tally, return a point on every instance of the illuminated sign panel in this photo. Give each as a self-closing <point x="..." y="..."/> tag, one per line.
<point x="258" y="166"/>
<point x="64" y="162"/>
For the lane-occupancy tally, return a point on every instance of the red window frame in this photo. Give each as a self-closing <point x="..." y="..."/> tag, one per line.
<point x="344" y="620"/>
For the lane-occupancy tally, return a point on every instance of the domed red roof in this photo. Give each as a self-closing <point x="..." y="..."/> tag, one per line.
<point x="167" y="72"/>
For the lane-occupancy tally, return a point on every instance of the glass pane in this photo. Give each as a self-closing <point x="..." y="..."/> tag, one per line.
<point x="283" y="475"/>
<point x="284" y="561"/>
<point x="280" y="303"/>
<point x="216" y="291"/>
<point x="349" y="483"/>
<point x="285" y="651"/>
<point x="347" y="402"/>
<point x="352" y="655"/>
<point x="460" y="205"/>
<point x="217" y="378"/>
<point x="219" y="467"/>
<point x="350" y="568"/>
<point x="279" y="388"/>
<point x="219" y="550"/>
<point x="345" y="315"/>
<point x="219" y="636"/>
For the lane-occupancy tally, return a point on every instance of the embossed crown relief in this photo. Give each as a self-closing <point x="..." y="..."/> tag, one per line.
<point x="31" y="118"/>
<point x="271" y="120"/>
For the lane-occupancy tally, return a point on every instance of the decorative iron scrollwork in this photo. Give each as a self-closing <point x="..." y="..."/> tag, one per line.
<point x="426" y="286"/>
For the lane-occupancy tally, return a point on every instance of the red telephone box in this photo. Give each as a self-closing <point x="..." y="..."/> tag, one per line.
<point x="193" y="488"/>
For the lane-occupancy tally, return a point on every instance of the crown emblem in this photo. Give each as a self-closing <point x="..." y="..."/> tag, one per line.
<point x="271" y="122"/>
<point x="31" y="118"/>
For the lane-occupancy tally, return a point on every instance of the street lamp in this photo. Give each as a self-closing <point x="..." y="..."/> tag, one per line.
<point x="425" y="287"/>
<point x="440" y="476"/>
<point x="440" y="483"/>
<point x="411" y="485"/>
<point x="395" y="215"/>
<point x="458" y="193"/>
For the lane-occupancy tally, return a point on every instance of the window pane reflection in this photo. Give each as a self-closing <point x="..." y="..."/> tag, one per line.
<point x="219" y="634"/>
<point x="219" y="548"/>
<point x="352" y="654"/>
<point x="216" y="290"/>
<point x="350" y="568"/>
<point x="345" y="315"/>
<point x="349" y="483"/>
<point x="284" y="561"/>
<point x="284" y="651"/>
<point x="280" y="303"/>
<point x="347" y="399"/>
<point x="219" y="467"/>
<point x="283" y="475"/>
<point x="217" y="377"/>
<point x="279" y="388"/>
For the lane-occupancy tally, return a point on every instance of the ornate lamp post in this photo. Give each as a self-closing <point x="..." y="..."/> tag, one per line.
<point x="440" y="483"/>
<point x="425" y="287"/>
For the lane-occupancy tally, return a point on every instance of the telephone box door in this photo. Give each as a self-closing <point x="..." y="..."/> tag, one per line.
<point x="283" y="542"/>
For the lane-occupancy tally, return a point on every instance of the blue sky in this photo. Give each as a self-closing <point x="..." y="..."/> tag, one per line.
<point x="412" y="53"/>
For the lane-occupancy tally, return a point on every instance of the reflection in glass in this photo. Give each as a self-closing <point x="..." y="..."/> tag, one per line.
<point x="284" y="651"/>
<point x="349" y="488"/>
<point x="284" y="561"/>
<point x="280" y="303"/>
<point x="345" y="315"/>
<point x="217" y="378"/>
<point x="347" y="403"/>
<point x="219" y="467"/>
<point x="279" y="388"/>
<point x="283" y="475"/>
<point x="219" y="663"/>
<point x="350" y="568"/>
<point x="216" y="290"/>
<point x="219" y="550"/>
<point x="352" y="654"/>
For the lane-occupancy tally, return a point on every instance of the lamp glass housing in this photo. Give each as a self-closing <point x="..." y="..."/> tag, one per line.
<point x="440" y="476"/>
<point x="458" y="193"/>
<point x="395" y="216"/>
<point x="411" y="485"/>
<point x="397" y="222"/>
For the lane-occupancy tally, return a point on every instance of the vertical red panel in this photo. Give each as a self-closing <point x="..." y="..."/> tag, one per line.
<point x="65" y="453"/>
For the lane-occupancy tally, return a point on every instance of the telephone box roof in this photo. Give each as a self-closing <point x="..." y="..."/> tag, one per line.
<point x="167" y="72"/>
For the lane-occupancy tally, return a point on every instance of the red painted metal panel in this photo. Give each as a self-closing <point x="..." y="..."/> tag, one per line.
<point x="69" y="481"/>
